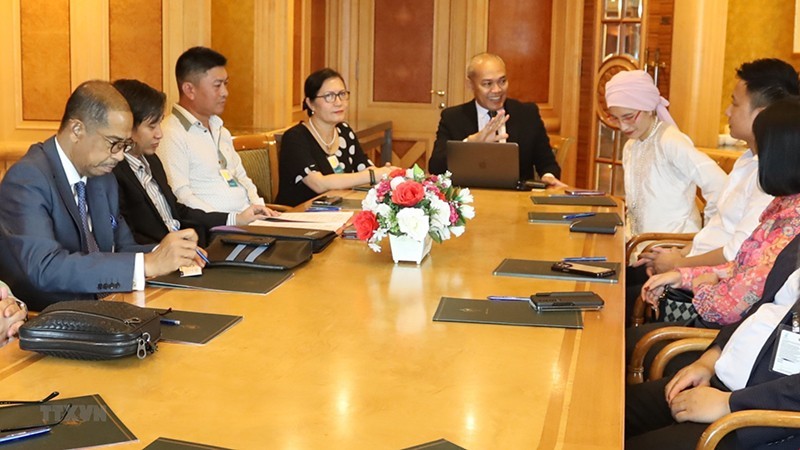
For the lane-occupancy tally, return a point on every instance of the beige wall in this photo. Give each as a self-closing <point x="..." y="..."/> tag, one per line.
<point x="756" y="31"/>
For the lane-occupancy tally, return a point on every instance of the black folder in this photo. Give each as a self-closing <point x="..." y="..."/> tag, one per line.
<point x="195" y="327"/>
<point x="439" y="444"/>
<point x="88" y="422"/>
<point x="319" y="238"/>
<point x="163" y="443"/>
<point x="542" y="269"/>
<point x="503" y="313"/>
<point x="601" y="225"/>
<point x="573" y="200"/>
<point x="226" y="279"/>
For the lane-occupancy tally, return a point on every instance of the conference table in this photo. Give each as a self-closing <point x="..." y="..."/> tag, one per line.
<point x="345" y="355"/>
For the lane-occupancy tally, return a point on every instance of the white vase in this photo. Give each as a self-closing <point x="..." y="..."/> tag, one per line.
<point x="406" y="249"/>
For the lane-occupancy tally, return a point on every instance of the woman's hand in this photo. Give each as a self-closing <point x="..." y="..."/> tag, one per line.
<point x="654" y="287"/>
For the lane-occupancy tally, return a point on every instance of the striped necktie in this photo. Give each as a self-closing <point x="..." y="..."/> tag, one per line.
<point x="91" y="243"/>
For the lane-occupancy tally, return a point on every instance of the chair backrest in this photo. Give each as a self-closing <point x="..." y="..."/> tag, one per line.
<point x="260" y="160"/>
<point x="561" y="147"/>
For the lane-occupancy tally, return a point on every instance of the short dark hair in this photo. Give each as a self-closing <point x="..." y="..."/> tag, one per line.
<point x="768" y="80"/>
<point x="90" y="103"/>
<point x="145" y="102"/>
<point x="197" y="61"/>
<point x="314" y="83"/>
<point x="777" y="133"/>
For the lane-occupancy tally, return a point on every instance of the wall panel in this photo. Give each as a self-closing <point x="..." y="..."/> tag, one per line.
<point x="520" y="32"/>
<point x="135" y="41"/>
<point x="44" y="29"/>
<point x="403" y="73"/>
<point x="233" y="35"/>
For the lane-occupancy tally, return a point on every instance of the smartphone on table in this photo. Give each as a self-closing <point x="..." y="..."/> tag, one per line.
<point x="327" y="200"/>
<point x="583" y="269"/>
<point x="566" y="301"/>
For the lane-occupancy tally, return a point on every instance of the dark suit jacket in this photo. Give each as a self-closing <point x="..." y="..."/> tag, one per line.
<point x="43" y="259"/>
<point x="767" y="389"/>
<point x="525" y="127"/>
<point x="142" y="215"/>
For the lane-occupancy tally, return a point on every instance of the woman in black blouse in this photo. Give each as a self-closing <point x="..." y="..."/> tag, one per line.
<point x="323" y="152"/>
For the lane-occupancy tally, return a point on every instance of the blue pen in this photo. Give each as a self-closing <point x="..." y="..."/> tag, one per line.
<point x="507" y="298"/>
<point x="584" y="258"/>
<point x="323" y="208"/>
<point x="165" y="321"/>
<point x="578" y="215"/>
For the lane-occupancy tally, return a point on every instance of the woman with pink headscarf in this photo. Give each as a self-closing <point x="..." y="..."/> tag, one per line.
<point x="662" y="167"/>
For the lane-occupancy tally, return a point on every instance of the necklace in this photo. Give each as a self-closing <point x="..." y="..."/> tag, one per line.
<point x="314" y="129"/>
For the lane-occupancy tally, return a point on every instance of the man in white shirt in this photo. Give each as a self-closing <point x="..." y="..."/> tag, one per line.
<point x="65" y="237"/>
<point x="741" y="202"/>
<point x="202" y="166"/>
<point x="760" y="83"/>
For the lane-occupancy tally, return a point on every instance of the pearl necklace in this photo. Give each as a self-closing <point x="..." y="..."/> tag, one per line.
<point x="314" y="129"/>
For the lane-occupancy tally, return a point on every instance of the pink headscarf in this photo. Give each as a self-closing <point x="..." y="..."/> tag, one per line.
<point x="635" y="89"/>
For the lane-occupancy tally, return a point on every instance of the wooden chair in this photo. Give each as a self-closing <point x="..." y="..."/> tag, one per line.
<point x="651" y="241"/>
<point x="259" y="155"/>
<point x="561" y="147"/>
<point x="694" y="339"/>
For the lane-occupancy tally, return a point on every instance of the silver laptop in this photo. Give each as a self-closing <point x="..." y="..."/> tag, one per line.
<point x="483" y="164"/>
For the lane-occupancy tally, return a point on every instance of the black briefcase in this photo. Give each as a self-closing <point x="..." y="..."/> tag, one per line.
<point x="92" y="330"/>
<point x="319" y="239"/>
<point x="262" y="252"/>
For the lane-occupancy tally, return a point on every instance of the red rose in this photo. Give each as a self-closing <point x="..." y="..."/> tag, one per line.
<point x="408" y="193"/>
<point x="366" y="223"/>
<point x="397" y="173"/>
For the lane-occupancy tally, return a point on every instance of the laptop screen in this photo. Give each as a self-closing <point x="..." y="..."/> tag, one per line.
<point x="491" y="165"/>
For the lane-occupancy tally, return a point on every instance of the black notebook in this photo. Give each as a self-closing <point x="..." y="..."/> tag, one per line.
<point x="226" y="279"/>
<point x="88" y="422"/>
<point x="503" y="313"/>
<point x="595" y="224"/>
<point x="551" y="217"/>
<point x="573" y="200"/>
<point x="542" y="269"/>
<point x="439" y="444"/>
<point x="174" y="444"/>
<point x="194" y="327"/>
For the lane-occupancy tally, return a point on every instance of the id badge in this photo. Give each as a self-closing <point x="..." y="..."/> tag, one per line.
<point x="786" y="357"/>
<point x="228" y="178"/>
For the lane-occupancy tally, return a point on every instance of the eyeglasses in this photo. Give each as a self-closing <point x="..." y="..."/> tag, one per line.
<point x="119" y="145"/>
<point x="627" y="119"/>
<point x="39" y="425"/>
<point x="330" y="97"/>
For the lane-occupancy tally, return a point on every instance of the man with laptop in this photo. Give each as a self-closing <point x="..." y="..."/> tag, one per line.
<point x="493" y="118"/>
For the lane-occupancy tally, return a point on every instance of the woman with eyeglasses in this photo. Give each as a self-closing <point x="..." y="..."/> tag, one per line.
<point x="323" y="152"/>
<point x="662" y="167"/>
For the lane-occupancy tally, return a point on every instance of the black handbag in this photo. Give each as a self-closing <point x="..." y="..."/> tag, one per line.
<point x="246" y="250"/>
<point x="92" y="330"/>
<point x="675" y="305"/>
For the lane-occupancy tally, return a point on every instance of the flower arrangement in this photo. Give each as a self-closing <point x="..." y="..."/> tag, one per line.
<point x="407" y="203"/>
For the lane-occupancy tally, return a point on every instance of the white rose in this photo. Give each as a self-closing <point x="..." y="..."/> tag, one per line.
<point x="410" y="173"/>
<point x="441" y="213"/>
<point x="465" y="196"/>
<point x="370" y="202"/>
<point x="457" y="231"/>
<point x="396" y="182"/>
<point x="413" y="222"/>
<point x="383" y="210"/>
<point x="467" y="211"/>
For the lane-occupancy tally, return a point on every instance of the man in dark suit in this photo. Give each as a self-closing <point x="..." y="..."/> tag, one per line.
<point x="735" y="373"/>
<point x="492" y="117"/>
<point x="146" y="200"/>
<point x="66" y="238"/>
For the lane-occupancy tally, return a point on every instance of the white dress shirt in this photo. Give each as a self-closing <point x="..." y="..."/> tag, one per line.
<point x="73" y="177"/>
<point x="740" y="205"/>
<point x="193" y="156"/>
<point x="662" y="174"/>
<point x="739" y="355"/>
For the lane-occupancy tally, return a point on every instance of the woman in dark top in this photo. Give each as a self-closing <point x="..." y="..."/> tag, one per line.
<point x="323" y="152"/>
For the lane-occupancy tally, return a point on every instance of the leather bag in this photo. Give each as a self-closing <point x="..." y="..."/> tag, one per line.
<point x="92" y="330"/>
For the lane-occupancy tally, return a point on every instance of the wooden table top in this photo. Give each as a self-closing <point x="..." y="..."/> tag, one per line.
<point x="345" y="355"/>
